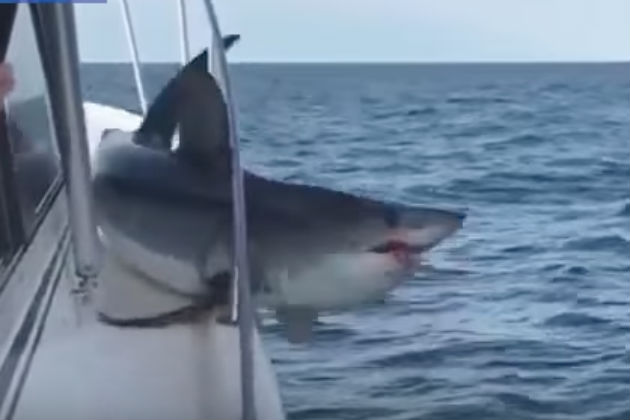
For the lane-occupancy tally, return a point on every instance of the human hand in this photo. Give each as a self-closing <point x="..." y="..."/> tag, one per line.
<point x="6" y="82"/>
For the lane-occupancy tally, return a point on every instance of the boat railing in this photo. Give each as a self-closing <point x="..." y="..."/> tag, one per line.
<point x="184" y="45"/>
<point x="242" y="312"/>
<point x="57" y="27"/>
<point x="133" y="49"/>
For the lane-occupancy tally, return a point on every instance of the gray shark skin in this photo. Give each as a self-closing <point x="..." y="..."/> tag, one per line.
<point x="169" y="214"/>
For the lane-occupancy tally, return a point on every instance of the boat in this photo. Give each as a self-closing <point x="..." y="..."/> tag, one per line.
<point x="58" y="360"/>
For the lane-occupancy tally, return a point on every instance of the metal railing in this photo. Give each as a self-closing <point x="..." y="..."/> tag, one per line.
<point x="57" y="25"/>
<point x="135" y="61"/>
<point x="242" y="312"/>
<point x="184" y="44"/>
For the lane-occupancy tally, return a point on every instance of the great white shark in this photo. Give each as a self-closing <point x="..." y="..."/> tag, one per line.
<point x="168" y="213"/>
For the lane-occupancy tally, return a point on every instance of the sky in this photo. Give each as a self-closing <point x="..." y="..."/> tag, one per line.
<point x="371" y="30"/>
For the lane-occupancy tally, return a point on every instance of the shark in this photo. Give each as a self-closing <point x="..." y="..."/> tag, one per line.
<point x="168" y="213"/>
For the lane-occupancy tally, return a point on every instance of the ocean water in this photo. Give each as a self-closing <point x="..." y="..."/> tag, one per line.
<point x="525" y="313"/>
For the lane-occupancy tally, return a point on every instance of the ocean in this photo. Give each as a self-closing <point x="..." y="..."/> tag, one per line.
<point x="524" y="313"/>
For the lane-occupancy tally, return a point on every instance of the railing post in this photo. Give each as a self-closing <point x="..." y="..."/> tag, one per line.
<point x="183" y="28"/>
<point x="62" y="75"/>
<point x="135" y="60"/>
<point x="241" y="301"/>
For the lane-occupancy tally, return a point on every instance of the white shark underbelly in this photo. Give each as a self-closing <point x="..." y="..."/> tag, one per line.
<point x="336" y="281"/>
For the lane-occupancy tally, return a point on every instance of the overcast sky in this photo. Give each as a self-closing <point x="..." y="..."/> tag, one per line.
<point x="374" y="30"/>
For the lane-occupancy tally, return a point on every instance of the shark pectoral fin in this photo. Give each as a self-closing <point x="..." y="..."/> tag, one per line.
<point x="298" y="322"/>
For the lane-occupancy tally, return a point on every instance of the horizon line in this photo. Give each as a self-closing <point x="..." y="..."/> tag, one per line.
<point x="362" y="62"/>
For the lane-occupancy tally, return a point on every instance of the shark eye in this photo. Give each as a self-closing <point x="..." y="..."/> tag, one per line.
<point x="392" y="217"/>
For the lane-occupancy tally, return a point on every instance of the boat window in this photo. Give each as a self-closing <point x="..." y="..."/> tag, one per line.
<point x="7" y="14"/>
<point x="36" y="163"/>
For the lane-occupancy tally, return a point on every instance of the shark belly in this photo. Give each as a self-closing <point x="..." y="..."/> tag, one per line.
<point x="335" y="281"/>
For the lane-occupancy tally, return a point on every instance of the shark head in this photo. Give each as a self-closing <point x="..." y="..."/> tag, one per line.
<point x="169" y="213"/>
<point x="333" y="249"/>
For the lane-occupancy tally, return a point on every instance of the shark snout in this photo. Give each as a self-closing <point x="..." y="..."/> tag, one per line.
<point x="416" y="230"/>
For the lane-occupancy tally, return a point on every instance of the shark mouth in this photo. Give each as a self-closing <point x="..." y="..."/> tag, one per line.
<point x="397" y="246"/>
<point x="404" y="253"/>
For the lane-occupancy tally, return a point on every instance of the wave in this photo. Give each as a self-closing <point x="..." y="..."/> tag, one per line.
<point x="522" y="402"/>
<point x="522" y="249"/>
<point x="345" y="412"/>
<point x="604" y="242"/>
<point x="487" y="351"/>
<point x="519" y="140"/>
<point x="478" y="100"/>
<point x="574" y="319"/>
<point x="548" y="363"/>
<point x="480" y="130"/>
<point x="411" y="112"/>
<point x="556" y="87"/>
<point x="577" y="270"/>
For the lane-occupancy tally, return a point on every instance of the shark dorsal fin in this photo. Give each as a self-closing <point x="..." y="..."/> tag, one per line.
<point x="158" y="127"/>
<point x="193" y="102"/>
<point x="229" y="40"/>
<point x="202" y="119"/>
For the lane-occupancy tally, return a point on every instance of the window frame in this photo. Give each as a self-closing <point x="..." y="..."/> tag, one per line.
<point x="14" y="235"/>
<point x="9" y="227"/>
